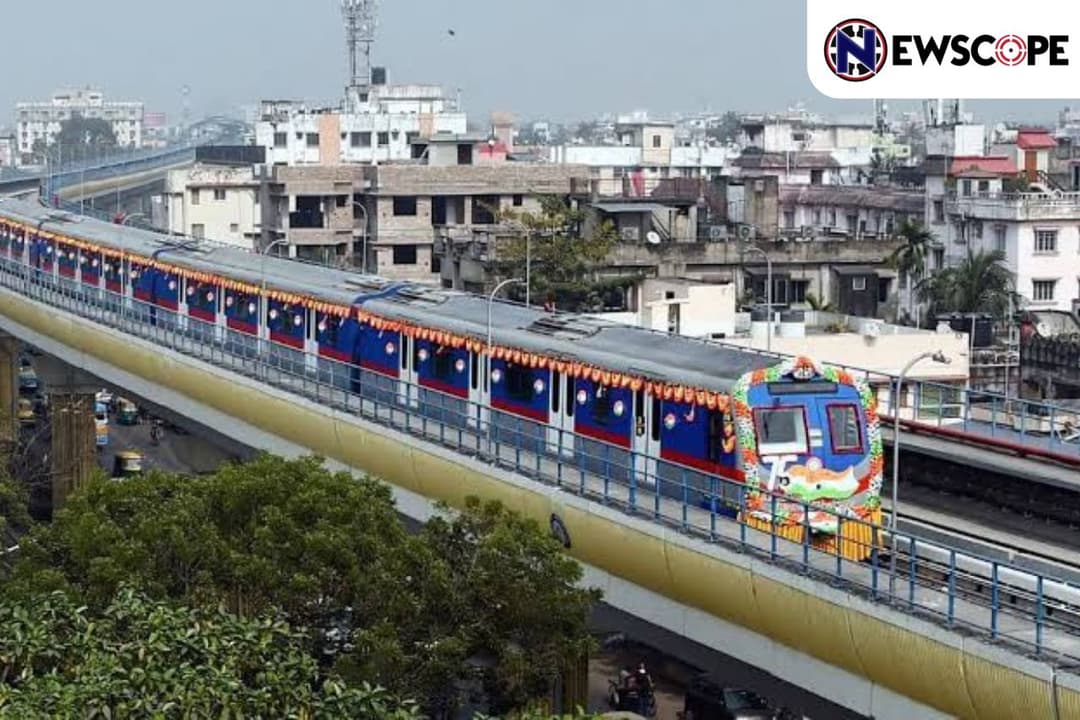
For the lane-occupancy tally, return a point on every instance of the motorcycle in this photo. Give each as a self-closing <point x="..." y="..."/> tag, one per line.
<point x="626" y="697"/>
<point x="156" y="433"/>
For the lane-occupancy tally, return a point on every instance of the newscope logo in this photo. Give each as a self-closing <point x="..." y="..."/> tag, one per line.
<point x="857" y="50"/>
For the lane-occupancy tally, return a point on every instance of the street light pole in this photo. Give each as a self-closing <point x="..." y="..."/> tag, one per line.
<point x="768" y="294"/>
<point x="363" y="209"/>
<point x="938" y="357"/>
<point x="262" y="275"/>
<point x="528" y="266"/>
<point x="490" y="339"/>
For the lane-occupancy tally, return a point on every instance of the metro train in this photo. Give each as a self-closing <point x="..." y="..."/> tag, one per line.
<point x="721" y="426"/>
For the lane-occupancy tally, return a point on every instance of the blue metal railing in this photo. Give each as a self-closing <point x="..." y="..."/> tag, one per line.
<point x="110" y="166"/>
<point x="1029" y="612"/>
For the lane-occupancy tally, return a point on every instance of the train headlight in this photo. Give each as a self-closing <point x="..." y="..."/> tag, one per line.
<point x="538" y="386"/>
<point x="618" y="408"/>
<point x="582" y="397"/>
<point x="459" y="365"/>
<point x="670" y="420"/>
<point x="496" y="376"/>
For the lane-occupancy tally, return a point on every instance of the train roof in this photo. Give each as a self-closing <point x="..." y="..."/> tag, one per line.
<point x="619" y="348"/>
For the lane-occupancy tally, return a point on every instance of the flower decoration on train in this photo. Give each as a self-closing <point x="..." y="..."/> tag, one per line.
<point x="251" y="308"/>
<point x="273" y="314"/>
<point x="298" y="320"/>
<point x="618" y="408"/>
<point x="390" y="348"/>
<point x="670" y="421"/>
<point x="582" y="397"/>
<point x="210" y="297"/>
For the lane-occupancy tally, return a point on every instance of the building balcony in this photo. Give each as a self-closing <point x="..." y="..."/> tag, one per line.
<point x="307" y="220"/>
<point x="678" y="190"/>
<point x="1015" y="206"/>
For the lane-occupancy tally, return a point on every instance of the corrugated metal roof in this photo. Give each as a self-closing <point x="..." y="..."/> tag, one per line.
<point x="998" y="165"/>
<point x="1035" y="140"/>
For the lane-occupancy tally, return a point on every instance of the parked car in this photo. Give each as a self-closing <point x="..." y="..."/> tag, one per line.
<point x="708" y="700"/>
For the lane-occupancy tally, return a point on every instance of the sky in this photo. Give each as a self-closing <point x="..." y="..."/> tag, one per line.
<point x="556" y="59"/>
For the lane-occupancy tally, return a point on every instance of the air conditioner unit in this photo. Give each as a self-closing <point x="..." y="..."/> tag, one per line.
<point x="718" y="233"/>
<point x="747" y="232"/>
<point x="630" y="234"/>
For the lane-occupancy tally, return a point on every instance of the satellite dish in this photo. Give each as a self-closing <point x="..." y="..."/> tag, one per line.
<point x="653" y="238"/>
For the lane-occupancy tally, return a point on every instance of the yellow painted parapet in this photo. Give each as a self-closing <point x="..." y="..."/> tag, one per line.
<point x="784" y="607"/>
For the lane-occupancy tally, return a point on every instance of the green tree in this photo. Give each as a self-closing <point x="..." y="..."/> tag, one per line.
<point x="14" y="515"/>
<point x="819" y="304"/>
<point x="140" y="658"/>
<point x="81" y="138"/>
<point x="406" y="612"/>
<point x="727" y="130"/>
<point x="979" y="284"/>
<point x="564" y="252"/>
<point x="910" y="258"/>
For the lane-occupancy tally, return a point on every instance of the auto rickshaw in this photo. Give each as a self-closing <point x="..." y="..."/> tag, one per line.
<point x="127" y="412"/>
<point x="127" y="464"/>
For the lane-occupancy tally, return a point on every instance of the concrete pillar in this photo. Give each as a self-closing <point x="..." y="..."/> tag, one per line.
<point x="9" y="391"/>
<point x="73" y="451"/>
<point x="73" y="447"/>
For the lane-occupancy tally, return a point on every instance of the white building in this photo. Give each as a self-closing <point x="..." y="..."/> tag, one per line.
<point x="9" y="151"/>
<point x="680" y="306"/>
<point x="382" y="130"/>
<point x="41" y="121"/>
<point x="217" y="202"/>
<point x="645" y="155"/>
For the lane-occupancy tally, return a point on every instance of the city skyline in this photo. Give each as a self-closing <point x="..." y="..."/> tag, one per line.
<point x="576" y="60"/>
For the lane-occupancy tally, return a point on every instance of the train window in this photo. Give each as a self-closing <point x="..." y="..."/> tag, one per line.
<point x="519" y="384"/>
<point x="601" y="409"/>
<point x="404" y="352"/>
<point x="474" y="372"/>
<point x="844" y="428"/>
<point x="444" y="364"/>
<point x="556" y="390"/>
<point x="781" y="430"/>
<point x="570" y="400"/>
<point x="639" y="405"/>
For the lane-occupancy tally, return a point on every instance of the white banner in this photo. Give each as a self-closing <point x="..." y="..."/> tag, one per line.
<point x="944" y="48"/>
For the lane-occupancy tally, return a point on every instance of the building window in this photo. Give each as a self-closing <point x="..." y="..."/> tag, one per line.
<point x="984" y="187"/>
<point x="404" y="254"/>
<point x="1043" y="290"/>
<point x="977" y="230"/>
<point x="817" y="177"/>
<point x="281" y="139"/>
<point x="341" y="200"/>
<point x="195" y="196"/>
<point x="234" y="228"/>
<point x="198" y="230"/>
<point x="789" y="218"/>
<point x="313" y="140"/>
<point x="518" y="200"/>
<point x="832" y="217"/>
<point x="1046" y="241"/>
<point x="999" y="238"/>
<point x="965" y="188"/>
<point x="858" y="284"/>
<point x="384" y="139"/>
<point x="360" y="139"/>
<point x="405" y="205"/>
<point x="884" y="286"/>
<point x="939" y="257"/>
<point x="656" y="141"/>
<point x="436" y="264"/>
<point x="219" y="193"/>
<point x="817" y="216"/>
<point x="799" y="288"/>
<point x="939" y="211"/>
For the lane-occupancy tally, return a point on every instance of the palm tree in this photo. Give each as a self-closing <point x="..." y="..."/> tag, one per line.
<point x="910" y="258"/>
<point x="979" y="284"/>
<point x="820" y="305"/>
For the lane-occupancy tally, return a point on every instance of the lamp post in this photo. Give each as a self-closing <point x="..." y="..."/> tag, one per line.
<point x="768" y="293"/>
<point x="262" y="275"/>
<point x="363" y="209"/>
<point x="487" y="364"/>
<point x="938" y="357"/>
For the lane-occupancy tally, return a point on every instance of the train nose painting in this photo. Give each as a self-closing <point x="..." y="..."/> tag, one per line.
<point x="811" y="452"/>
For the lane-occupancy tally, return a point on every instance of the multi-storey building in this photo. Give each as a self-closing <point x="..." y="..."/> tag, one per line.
<point x="41" y="121"/>
<point x="389" y="219"/>
<point x="217" y="201"/>
<point x="380" y="129"/>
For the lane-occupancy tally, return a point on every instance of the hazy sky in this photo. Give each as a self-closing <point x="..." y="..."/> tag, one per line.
<point x="562" y="59"/>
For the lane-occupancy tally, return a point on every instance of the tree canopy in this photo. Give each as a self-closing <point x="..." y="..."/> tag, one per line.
<point x="565" y="252"/>
<point x="727" y="130"/>
<point x="80" y="138"/>
<point x="480" y="601"/>
<point x="141" y="658"/>
<point x="979" y="284"/>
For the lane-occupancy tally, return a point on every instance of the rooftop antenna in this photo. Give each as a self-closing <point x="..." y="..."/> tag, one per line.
<point x="359" y="16"/>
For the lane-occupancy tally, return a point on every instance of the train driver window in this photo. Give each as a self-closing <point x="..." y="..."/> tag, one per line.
<point x="781" y="431"/>
<point x="844" y="428"/>
<point x="602" y="408"/>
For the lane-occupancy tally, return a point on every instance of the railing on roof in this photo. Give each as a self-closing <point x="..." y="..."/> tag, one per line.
<point x="1021" y="610"/>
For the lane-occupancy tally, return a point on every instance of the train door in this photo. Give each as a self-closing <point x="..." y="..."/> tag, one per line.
<point x="408" y="384"/>
<point x="646" y="442"/>
<point x="479" y="391"/>
<point x="560" y="429"/>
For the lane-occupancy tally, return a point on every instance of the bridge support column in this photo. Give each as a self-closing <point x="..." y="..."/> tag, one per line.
<point x="73" y="447"/>
<point x="9" y="392"/>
